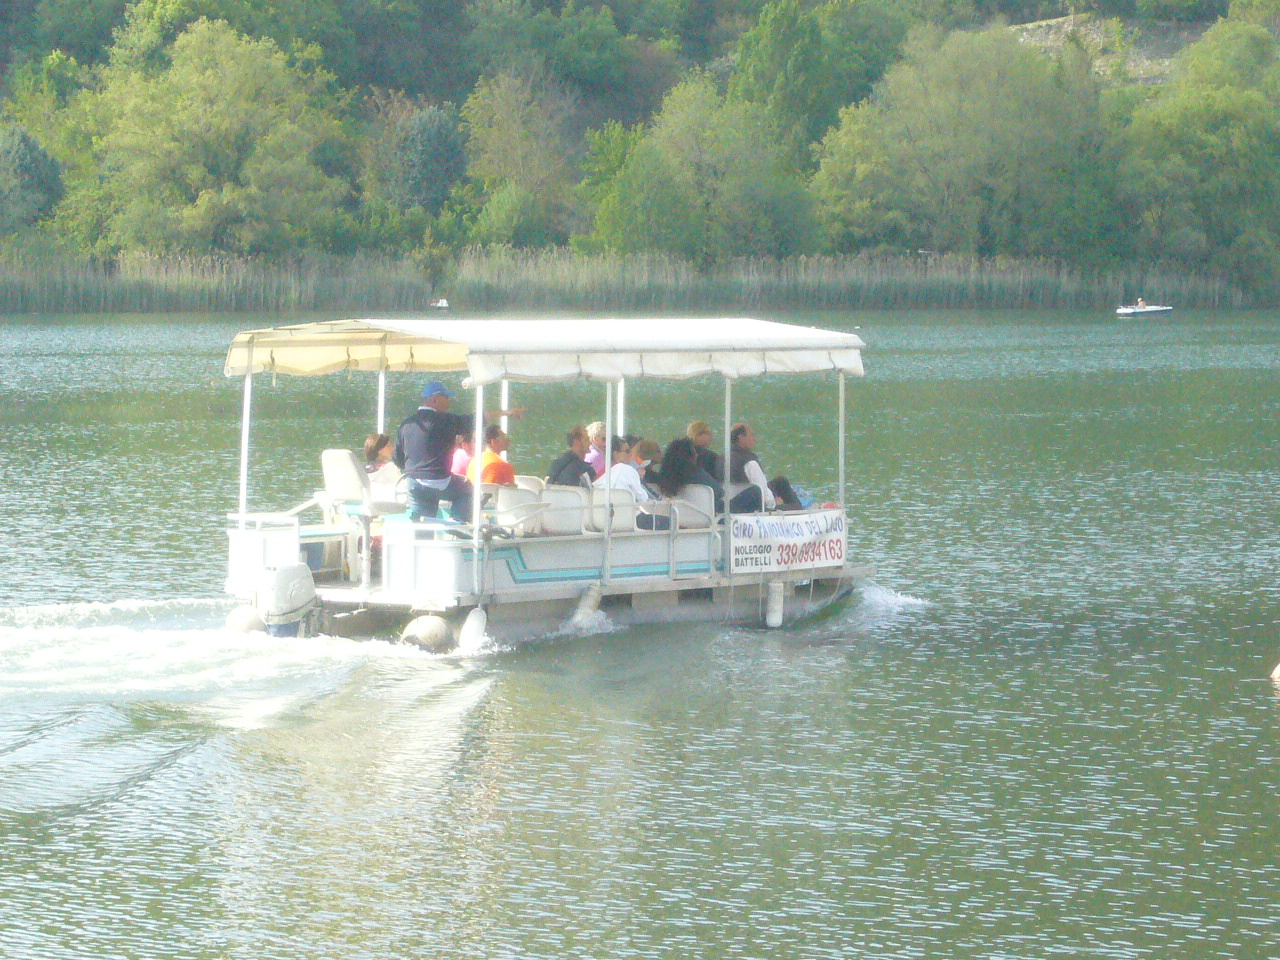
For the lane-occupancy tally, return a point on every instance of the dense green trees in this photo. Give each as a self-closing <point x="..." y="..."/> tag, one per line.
<point x="227" y="149"/>
<point x="974" y="145"/>
<point x="30" y="181"/>
<point x="703" y="129"/>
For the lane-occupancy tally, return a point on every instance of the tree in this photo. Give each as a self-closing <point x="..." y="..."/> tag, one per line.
<point x="803" y="65"/>
<point x="1202" y="172"/>
<point x="30" y="180"/>
<point x="973" y="144"/>
<point x="427" y="157"/>
<point x="707" y="182"/>
<point x="783" y="67"/>
<point x="220" y="152"/>
<point x="518" y="147"/>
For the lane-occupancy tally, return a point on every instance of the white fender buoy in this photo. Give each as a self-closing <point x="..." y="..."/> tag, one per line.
<point x="429" y="632"/>
<point x="588" y="605"/>
<point x="773" y="605"/>
<point x="245" y="619"/>
<point x="472" y="636"/>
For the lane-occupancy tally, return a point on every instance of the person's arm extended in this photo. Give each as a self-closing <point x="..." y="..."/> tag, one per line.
<point x="515" y="413"/>
<point x="756" y="475"/>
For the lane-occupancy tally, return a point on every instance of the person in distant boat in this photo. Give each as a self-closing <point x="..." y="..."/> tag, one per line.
<point x="623" y="475"/>
<point x="489" y="465"/>
<point x="466" y="449"/>
<point x="596" y="435"/>
<point x="700" y="433"/>
<point x="1141" y="302"/>
<point x="424" y="451"/>
<point x="571" y="468"/>
<point x="745" y="467"/>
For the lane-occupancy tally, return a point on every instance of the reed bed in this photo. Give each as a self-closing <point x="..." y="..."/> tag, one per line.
<point x="504" y="279"/>
<point x="172" y="285"/>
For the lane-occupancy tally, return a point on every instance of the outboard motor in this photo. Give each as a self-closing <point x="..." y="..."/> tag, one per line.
<point x="286" y="599"/>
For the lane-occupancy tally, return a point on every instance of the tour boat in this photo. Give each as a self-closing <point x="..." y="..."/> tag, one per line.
<point x="534" y="558"/>
<point x="1138" y="309"/>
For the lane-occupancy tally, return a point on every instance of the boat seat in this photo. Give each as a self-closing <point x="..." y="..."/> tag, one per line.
<point x="526" y="482"/>
<point x="347" y="486"/>
<point x="624" y="510"/>
<point x="694" y="507"/>
<point x="519" y="510"/>
<point x="566" y="508"/>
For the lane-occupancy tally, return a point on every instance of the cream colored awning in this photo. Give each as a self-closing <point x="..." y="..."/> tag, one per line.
<point x="545" y="350"/>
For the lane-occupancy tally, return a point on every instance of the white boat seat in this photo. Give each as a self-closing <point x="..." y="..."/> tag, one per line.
<point x="566" y="508"/>
<point x="519" y="510"/>
<point x="347" y="486"/>
<point x="694" y="507"/>
<point x="624" y="510"/>
<point x="526" y="482"/>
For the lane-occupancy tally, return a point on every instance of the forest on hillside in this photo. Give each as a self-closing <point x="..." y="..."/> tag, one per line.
<point x="704" y="132"/>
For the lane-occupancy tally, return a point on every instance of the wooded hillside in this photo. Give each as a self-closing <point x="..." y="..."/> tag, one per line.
<point x="704" y="131"/>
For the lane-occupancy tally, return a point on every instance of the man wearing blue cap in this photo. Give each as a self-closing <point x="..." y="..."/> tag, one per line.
<point x="424" y="451"/>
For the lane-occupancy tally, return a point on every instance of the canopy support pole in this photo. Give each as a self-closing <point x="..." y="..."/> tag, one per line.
<point x="477" y="497"/>
<point x="246" y="416"/>
<point x="608" y="486"/>
<point x="382" y="399"/>
<point x="843" y="498"/>
<point x="727" y="536"/>
<point x="504" y="402"/>
<point x="622" y="408"/>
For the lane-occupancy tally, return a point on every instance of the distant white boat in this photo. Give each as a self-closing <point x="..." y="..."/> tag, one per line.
<point x="1140" y="308"/>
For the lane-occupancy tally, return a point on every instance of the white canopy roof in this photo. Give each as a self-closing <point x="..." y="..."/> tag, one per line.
<point x="543" y="350"/>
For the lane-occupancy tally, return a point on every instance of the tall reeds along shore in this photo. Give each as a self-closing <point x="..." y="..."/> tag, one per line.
<point x="496" y="279"/>
<point x="504" y="279"/>
<point x="144" y="284"/>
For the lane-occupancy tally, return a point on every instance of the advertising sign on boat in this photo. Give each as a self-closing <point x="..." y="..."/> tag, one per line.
<point x="761" y="544"/>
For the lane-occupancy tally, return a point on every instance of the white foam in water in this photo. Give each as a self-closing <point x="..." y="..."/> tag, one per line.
<point x="877" y="597"/>
<point x="170" y="651"/>
<point x="586" y="624"/>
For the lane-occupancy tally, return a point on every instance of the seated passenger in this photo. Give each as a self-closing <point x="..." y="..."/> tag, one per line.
<point x="464" y="452"/>
<point x="596" y="436"/>
<point x="744" y="467"/>
<point x="489" y="465"/>
<point x="699" y="432"/>
<point x="623" y="475"/>
<point x="570" y="469"/>
<point x="378" y="449"/>
<point x="648" y="457"/>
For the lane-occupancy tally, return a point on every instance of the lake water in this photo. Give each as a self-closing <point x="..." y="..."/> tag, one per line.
<point x="1044" y="729"/>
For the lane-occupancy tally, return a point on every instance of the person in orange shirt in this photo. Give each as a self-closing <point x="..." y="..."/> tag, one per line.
<point x="491" y="466"/>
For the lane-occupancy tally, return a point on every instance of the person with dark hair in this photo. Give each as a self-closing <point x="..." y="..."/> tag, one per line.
<point x="424" y="451"/>
<point x="489" y="467"/>
<point x="570" y="468"/>
<point x="680" y="468"/>
<point x="383" y="474"/>
<point x="378" y="450"/>
<point x="745" y="467"/>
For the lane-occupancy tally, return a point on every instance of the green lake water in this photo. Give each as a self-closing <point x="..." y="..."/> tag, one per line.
<point x="1044" y="729"/>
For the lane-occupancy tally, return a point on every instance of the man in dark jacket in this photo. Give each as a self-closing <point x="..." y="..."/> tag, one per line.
<point x="424" y="451"/>
<point x="570" y="468"/>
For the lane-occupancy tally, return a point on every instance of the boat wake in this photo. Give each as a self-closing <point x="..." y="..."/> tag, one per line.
<point x="170" y="651"/>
